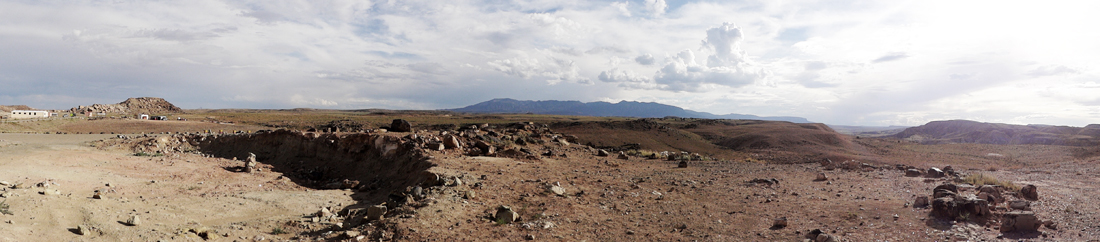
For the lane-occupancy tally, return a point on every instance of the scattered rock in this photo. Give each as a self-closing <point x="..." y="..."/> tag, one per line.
<point x="505" y="214"/>
<point x="432" y="179"/>
<point x="205" y="233"/>
<point x="828" y="164"/>
<point x="683" y="164"/>
<point x="1029" y="192"/>
<point x="945" y="207"/>
<point x="1050" y="224"/>
<point x="779" y="223"/>
<point x="945" y="190"/>
<point x="97" y="195"/>
<point x="602" y="152"/>
<point x="817" y="235"/>
<point x="990" y="193"/>
<point x="83" y="230"/>
<point x="451" y="142"/>
<point x="556" y="189"/>
<point x="821" y="177"/>
<point x="134" y="221"/>
<point x="470" y="195"/>
<point x="351" y="233"/>
<point x="400" y="125"/>
<point x="529" y="237"/>
<point x="770" y="181"/>
<point x="934" y="173"/>
<point x="1022" y="221"/>
<point x="921" y="202"/>
<point x="250" y="163"/>
<point x="485" y="148"/>
<point x="323" y="213"/>
<point x="623" y="156"/>
<point x="376" y="212"/>
<point x="912" y="173"/>
<point x="1020" y="205"/>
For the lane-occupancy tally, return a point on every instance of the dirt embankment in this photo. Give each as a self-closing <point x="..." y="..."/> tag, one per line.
<point x="376" y="162"/>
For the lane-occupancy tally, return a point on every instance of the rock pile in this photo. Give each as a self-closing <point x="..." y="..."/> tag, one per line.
<point x="146" y="105"/>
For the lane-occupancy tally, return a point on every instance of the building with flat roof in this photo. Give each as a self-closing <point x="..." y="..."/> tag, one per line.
<point x="24" y="114"/>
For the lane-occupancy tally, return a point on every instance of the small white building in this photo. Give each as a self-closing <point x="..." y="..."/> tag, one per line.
<point x="23" y="114"/>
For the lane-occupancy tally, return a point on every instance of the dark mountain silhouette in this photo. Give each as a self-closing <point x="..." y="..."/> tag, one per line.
<point x="604" y="109"/>
<point x="965" y="131"/>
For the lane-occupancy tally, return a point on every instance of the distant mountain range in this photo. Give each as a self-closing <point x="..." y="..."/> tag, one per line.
<point x="966" y="131"/>
<point x="604" y="109"/>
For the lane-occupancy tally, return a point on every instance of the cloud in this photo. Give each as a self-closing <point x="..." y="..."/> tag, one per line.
<point x="645" y="59"/>
<point x="627" y="79"/>
<point x="728" y="66"/>
<point x="656" y="7"/>
<point x="1051" y="70"/>
<point x="554" y="70"/>
<point x="622" y="7"/>
<point x="890" y="57"/>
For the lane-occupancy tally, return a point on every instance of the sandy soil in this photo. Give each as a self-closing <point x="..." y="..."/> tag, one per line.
<point x="605" y="198"/>
<point x="170" y="194"/>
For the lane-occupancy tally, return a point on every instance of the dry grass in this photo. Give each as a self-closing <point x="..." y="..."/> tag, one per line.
<point x="979" y="179"/>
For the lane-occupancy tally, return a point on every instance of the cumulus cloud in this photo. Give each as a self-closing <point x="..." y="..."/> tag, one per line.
<point x="890" y="57"/>
<point x="728" y="66"/>
<point x="627" y="79"/>
<point x="645" y="59"/>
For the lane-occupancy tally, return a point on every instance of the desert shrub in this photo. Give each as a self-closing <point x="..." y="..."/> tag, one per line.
<point x="4" y="208"/>
<point x="642" y="153"/>
<point x="850" y="216"/>
<point x="148" y="154"/>
<point x="277" y="231"/>
<point x="979" y="179"/>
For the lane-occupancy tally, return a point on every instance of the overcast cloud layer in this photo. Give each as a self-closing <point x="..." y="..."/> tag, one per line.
<point x="837" y="62"/>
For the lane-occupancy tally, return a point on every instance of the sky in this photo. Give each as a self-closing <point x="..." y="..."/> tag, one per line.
<point x="872" y="63"/>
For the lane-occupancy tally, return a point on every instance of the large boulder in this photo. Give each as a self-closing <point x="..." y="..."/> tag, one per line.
<point x="921" y="202"/>
<point x="974" y="206"/>
<point x="376" y="212"/>
<point x="912" y="173"/>
<point x="1020" y="205"/>
<point x="945" y="207"/>
<point x="602" y="152"/>
<point x="1020" y="221"/>
<point x="505" y="214"/>
<point x="934" y="173"/>
<point x="828" y="164"/>
<point x="1029" y="192"/>
<point x="400" y="125"/>
<point x="451" y="142"/>
<point x="945" y="190"/>
<point x="990" y="193"/>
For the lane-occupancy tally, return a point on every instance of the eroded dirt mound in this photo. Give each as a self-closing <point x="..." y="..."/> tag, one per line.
<point x="9" y="108"/>
<point x="140" y="105"/>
